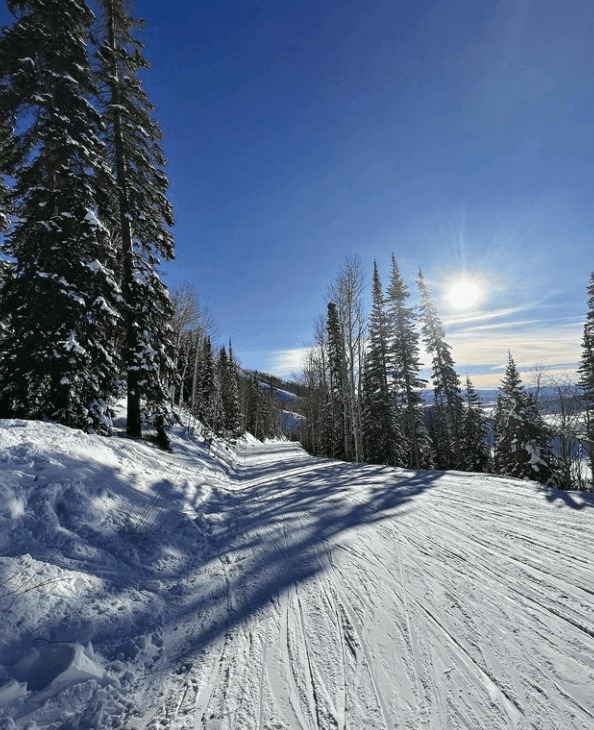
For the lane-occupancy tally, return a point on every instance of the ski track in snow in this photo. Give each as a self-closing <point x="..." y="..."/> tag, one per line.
<point x="261" y="589"/>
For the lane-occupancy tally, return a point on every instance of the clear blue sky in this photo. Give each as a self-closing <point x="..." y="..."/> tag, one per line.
<point x="457" y="134"/>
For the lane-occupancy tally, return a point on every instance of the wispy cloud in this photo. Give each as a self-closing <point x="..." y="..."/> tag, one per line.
<point x="286" y="362"/>
<point x="555" y="345"/>
<point x="482" y="316"/>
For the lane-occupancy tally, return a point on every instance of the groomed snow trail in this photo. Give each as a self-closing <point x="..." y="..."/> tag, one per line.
<point x="263" y="589"/>
<point x="368" y="597"/>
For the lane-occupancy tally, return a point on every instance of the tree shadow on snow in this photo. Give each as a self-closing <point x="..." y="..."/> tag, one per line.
<point x="575" y="500"/>
<point x="274" y="530"/>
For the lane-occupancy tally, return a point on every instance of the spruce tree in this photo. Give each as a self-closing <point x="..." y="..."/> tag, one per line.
<point x="61" y="299"/>
<point x="141" y="214"/>
<point x="209" y="406"/>
<point x="476" y="452"/>
<point x="522" y="440"/>
<point x="405" y="367"/>
<point x="337" y="427"/>
<point x="381" y="437"/>
<point x="228" y="377"/>
<point x="586" y="375"/>
<point x="448" y="404"/>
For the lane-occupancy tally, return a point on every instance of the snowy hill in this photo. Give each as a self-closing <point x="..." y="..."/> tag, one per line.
<point x="263" y="589"/>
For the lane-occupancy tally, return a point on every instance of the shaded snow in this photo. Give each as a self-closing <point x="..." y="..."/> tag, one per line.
<point x="261" y="588"/>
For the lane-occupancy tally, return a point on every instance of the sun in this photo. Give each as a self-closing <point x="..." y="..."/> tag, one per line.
<point x="465" y="294"/>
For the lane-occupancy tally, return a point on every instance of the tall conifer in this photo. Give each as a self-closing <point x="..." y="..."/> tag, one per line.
<point x="447" y="397"/>
<point x="209" y="406"/>
<point x="405" y="367"/>
<point x="381" y="437"/>
<point x="586" y="374"/>
<point x="61" y="298"/>
<point x="337" y="427"/>
<point x="475" y="448"/>
<point x="141" y="213"/>
<point x="522" y="440"/>
<point x="229" y="380"/>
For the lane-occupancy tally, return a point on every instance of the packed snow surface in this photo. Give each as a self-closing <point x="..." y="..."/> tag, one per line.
<point x="255" y="587"/>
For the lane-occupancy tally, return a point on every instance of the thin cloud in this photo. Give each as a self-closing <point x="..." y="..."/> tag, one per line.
<point x="481" y="316"/>
<point x="287" y="362"/>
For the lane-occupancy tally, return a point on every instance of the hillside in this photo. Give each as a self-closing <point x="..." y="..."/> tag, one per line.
<point x="263" y="589"/>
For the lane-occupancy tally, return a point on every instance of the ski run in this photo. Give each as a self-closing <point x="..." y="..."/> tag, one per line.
<point x="254" y="587"/>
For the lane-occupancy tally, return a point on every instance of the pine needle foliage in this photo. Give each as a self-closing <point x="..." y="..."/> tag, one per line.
<point x="141" y="215"/>
<point x="586" y="374"/>
<point x="405" y="366"/>
<point x="474" y="444"/>
<point x="448" y="406"/>
<point x="382" y="440"/>
<point x="61" y="299"/>
<point x="522" y="439"/>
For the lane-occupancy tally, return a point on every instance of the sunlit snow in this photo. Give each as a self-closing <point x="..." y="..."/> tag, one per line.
<point x="258" y="588"/>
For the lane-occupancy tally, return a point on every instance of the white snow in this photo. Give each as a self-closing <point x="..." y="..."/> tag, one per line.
<point x="92" y="219"/>
<point x="72" y="344"/>
<point x="259" y="588"/>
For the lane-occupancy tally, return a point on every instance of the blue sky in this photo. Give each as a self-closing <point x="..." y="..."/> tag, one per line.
<point x="456" y="134"/>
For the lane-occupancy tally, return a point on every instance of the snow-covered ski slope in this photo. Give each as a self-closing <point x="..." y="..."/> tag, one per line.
<point x="259" y="588"/>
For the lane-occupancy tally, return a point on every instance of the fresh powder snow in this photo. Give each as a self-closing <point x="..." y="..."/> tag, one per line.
<point x="255" y="587"/>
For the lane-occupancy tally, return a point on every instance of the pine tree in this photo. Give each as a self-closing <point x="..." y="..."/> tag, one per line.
<point x="228" y="377"/>
<point x="474" y="434"/>
<point x="405" y="367"/>
<point x="586" y="374"/>
<point x="61" y="299"/>
<point x="448" y="404"/>
<point x="141" y="213"/>
<point x="259" y="420"/>
<point x="338" y="428"/>
<point x="381" y="437"/>
<point x="209" y="406"/>
<point x="522" y="440"/>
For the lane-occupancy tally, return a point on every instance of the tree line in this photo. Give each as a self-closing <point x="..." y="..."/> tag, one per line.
<point x="364" y="398"/>
<point x="211" y="385"/>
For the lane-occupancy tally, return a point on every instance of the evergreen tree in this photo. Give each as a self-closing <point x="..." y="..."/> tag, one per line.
<point x="405" y="367"/>
<point x="141" y="213"/>
<point x="448" y="404"/>
<point x="61" y="299"/>
<point x="381" y="437"/>
<point x="338" y="429"/>
<point x="259" y="419"/>
<point x="586" y="374"/>
<point x="522" y="441"/>
<point x="474" y="434"/>
<point x="209" y="406"/>
<point x="228" y="377"/>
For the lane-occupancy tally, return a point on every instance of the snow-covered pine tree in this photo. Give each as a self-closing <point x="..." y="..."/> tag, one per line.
<point x="141" y="214"/>
<point x="209" y="406"/>
<point x="522" y="440"/>
<point x="7" y="150"/>
<point x="229" y="379"/>
<point x="476" y="452"/>
<point x="61" y="298"/>
<point x="586" y="375"/>
<point x="447" y="396"/>
<point x="405" y="367"/>
<point x="382" y="440"/>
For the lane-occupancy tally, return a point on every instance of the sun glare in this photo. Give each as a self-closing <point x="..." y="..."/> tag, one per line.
<point x="464" y="295"/>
